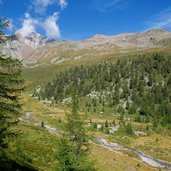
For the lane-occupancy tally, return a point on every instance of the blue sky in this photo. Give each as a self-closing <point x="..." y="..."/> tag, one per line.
<point x="80" y="19"/>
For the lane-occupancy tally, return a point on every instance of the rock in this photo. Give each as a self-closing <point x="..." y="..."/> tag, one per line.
<point x="33" y="47"/>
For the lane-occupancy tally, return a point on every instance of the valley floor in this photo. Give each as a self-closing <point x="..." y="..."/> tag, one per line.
<point x="37" y="145"/>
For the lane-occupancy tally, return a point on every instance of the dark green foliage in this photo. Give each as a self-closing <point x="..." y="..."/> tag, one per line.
<point x="10" y="88"/>
<point x="64" y="155"/>
<point x="132" y="109"/>
<point x="113" y="123"/>
<point x="3" y="25"/>
<point x="72" y="154"/>
<point x="107" y="131"/>
<point x="102" y="127"/>
<point x="42" y="124"/>
<point x="138" y="118"/>
<point x="121" y="110"/>
<point x="138" y="165"/>
<point x="121" y="118"/>
<point x="95" y="125"/>
<point x="142" y="83"/>
<point x="128" y="129"/>
<point x="106" y="124"/>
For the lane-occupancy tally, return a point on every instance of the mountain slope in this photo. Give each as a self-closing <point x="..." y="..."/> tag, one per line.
<point x="137" y="85"/>
<point x="147" y="39"/>
<point x="23" y="47"/>
<point x="37" y="49"/>
<point x="102" y="45"/>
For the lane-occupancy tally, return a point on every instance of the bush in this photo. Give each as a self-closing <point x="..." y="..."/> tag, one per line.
<point x="128" y="129"/>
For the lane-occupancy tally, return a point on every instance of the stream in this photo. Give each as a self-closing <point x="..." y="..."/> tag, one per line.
<point x="28" y="119"/>
<point x="145" y="158"/>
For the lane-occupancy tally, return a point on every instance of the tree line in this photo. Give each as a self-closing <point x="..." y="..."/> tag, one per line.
<point x="137" y="85"/>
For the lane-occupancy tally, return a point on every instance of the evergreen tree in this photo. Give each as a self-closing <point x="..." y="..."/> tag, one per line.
<point x="95" y="125"/>
<point x="113" y="123"/>
<point x="143" y="91"/>
<point x="73" y="149"/>
<point x="10" y="88"/>
<point x="106" y="124"/>
<point x="132" y="109"/>
<point x="128" y="129"/>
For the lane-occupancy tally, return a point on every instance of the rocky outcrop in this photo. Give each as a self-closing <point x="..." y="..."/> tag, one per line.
<point x="23" y="47"/>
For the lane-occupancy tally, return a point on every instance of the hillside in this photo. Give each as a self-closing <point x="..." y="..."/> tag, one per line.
<point x="23" y="47"/>
<point x="35" y="49"/>
<point x="85" y="85"/>
<point x="123" y="87"/>
<point x="137" y="85"/>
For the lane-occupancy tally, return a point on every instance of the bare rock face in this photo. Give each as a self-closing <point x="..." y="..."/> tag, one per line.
<point x="34" y="47"/>
<point x="34" y="40"/>
<point x="23" y="47"/>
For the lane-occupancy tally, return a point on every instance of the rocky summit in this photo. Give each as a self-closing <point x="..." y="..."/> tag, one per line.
<point x="23" y="47"/>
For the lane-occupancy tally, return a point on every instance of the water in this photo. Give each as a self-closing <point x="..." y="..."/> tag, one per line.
<point x="145" y="158"/>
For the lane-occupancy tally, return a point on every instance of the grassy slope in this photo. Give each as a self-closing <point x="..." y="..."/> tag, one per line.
<point x="39" y="145"/>
<point x="41" y="74"/>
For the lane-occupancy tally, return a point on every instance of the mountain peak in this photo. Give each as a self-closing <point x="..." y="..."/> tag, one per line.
<point x="98" y="36"/>
<point x="157" y="31"/>
<point x="32" y="38"/>
<point x="33" y="34"/>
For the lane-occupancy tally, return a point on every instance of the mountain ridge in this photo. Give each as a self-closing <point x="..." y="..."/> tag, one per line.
<point x="34" y="48"/>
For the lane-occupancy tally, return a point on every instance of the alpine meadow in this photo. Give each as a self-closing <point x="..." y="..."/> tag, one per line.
<point x="85" y="85"/>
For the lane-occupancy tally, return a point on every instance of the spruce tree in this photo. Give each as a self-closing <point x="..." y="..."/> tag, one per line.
<point x="73" y="148"/>
<point x="10" y="88"/>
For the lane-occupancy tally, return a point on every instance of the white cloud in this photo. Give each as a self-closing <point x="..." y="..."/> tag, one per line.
<point x="41" y="5"/>
<point x="162" y="20"/>
<point x="28" y="26"/>
<point x="105" y="5"/>
<point x="63" y="3"/>
<point x="50" y="26"/>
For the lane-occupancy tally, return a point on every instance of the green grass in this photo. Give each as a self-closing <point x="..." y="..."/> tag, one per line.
<point x="38" y="146"/>
<point x="42" y="73"/>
